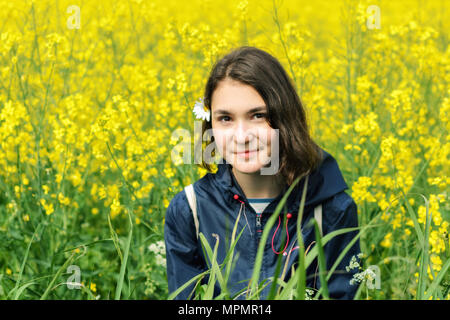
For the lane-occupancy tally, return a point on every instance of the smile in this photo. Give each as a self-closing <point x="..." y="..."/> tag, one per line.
<point x="246" y="153"/>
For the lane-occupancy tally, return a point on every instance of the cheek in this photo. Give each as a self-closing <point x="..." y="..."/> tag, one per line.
<point x="220" y="138"/>
<point x="266" y="136"/>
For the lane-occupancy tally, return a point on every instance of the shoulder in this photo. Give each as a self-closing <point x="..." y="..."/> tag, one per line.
<point x="204" y="190"/>
<point x="178" y="207"/>
<point x="341" y="201"/>
<point x="205" y="184"/>
<point x="341" y="209"/>
<point x="179" y="222"/>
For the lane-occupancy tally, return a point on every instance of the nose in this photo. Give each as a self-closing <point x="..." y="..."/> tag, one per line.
<point x="242" y="134"/>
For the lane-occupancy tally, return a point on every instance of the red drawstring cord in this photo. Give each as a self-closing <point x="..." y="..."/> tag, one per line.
<point x="288" y="216"/>
<point x="287" y="232"/>
<point x="236" y="197"/>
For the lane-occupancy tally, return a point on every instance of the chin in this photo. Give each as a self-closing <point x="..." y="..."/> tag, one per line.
<point x="251" y="165"/>
<point x="248" y="168"/>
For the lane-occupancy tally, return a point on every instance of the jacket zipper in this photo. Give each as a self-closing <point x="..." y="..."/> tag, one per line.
<point x="258" y="227"/>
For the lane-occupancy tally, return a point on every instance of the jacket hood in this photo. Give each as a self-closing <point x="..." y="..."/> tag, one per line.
<point x="323" y="183"/>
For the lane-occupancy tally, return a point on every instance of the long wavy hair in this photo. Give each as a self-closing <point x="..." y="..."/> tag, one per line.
<point x="299" y="154"/>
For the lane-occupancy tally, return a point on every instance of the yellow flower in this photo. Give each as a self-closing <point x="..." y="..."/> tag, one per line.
<point x="135" y="184"/>
<point x="360" y="192"/>
<point x="93" y="287"/>
<point x="409" y="222"/>
<point x="102" y="193"/>
<point x="116" y="208"/>
<point x="58" y="177"/>
<point x="45" y="188"/>
<point x="169" y="172"/>
<point x="443" y="229"/>
<point x="437" y="242"/>
<point x="25" y="180"/>
<point x="387" y="241"/>
<point x="396" y="223"/>
<point x="166" y="203"/>
<point x="48" y="207"/>
<point x="63" y="200"/>
<point x="436" y="262"/>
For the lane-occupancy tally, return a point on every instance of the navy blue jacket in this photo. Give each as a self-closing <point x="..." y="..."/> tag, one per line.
<point x="218" y="208"/>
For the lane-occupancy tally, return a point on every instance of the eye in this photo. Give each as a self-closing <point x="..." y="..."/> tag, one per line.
<point x="222" y="118"/>
<point x="263" y="115"/>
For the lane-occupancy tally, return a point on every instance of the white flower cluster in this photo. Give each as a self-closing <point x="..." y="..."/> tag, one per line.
<point x="367" y="274"/>
<point x="364" y="275"/>
<point x="159" y="249"/>
<point x="309" y="294"/>
<point x="354" y="263"/>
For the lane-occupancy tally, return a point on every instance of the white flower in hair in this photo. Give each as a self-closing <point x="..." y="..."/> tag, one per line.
<point x="200" y="111"/>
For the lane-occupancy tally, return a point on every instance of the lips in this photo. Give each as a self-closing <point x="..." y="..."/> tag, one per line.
<point x="245" y="152"/>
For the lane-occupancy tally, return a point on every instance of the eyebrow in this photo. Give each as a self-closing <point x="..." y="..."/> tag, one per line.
<point x="222" y="111"/>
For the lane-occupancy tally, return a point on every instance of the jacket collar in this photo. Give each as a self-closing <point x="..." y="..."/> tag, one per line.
<point x="323" y="183"/>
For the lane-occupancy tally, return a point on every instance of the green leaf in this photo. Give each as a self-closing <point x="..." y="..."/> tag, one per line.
<point x="125" y="259"/>
<point x="437" y="280"/>
<point x="424" y="256"/>
<point x="301" y="275"/>
<point x="214" y="267"/>
<point x="259" y="255"/>
<point x="417" y="227"/>
<point x="115" y="238"/>
<point x="19" y="291"/>
<point x="58" y="273"/>
<point x="322" y="262"/>
<point x="187" y="284"/>
<point x="25" y="258"/>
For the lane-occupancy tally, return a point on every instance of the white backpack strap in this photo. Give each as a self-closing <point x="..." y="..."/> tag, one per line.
<point x="190" y="194"/>
<point x="318" y="217"/>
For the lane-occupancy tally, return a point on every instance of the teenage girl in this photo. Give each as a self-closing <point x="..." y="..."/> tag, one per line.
<point x="257" y="124"/>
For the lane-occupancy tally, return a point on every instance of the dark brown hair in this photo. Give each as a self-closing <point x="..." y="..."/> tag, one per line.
<point x="299" y="154"/>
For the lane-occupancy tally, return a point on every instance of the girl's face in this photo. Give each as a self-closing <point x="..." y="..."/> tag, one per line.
<point x="239" y="124"/>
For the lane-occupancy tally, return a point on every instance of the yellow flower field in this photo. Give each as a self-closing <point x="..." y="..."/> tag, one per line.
<point x="92" y="91"/>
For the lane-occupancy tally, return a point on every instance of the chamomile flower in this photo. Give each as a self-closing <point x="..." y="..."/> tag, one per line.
<point x="200" y="111"/>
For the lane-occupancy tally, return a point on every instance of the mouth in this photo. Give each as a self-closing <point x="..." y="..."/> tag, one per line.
<point x="246" y="153"/>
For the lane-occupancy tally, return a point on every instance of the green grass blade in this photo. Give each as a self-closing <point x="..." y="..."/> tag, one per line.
<point x="58" y="273"/>
<point x="229" y="258"/>
<point x="124" y="262"/>
<point x="187" y="284"/>
<point x="417" y="227"/>
<point x="259" y="256"/>
<point x="25" y="258"/>
<point x="424" y="256"/>
<point x="312" y="254"/>
<point x="437" y="280"/>
<point x="230" y="254"/>
<point x="273" y="288"/>
<point x="115" y="239"/>
<point x="301" y="276"/>
<point x="20" y="290"/>
<point x="343" y="253"/>
<point x="322" y="262"/>
<point x="215" y="271"/>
